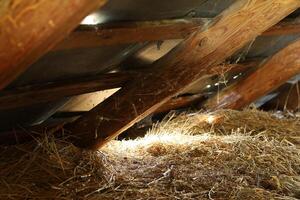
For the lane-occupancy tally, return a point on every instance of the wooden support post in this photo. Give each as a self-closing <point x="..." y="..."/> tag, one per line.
<point x="190" y="61"/>
<point x="29" y="28"/>
<point x="268" y="77"/>
<point x="133" y="32"/>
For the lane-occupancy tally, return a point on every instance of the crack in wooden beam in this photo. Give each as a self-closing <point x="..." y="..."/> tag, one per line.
<point x="30" y="28"/>
<point x="268" y="77"/>
<point x="190" y="61"/>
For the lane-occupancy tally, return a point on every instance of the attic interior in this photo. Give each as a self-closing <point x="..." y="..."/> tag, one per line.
<point x="127" y="99"/>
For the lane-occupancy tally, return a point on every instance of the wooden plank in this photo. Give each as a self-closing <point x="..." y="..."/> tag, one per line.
<point x="188" y="62"/>
<point x="268" y="77"/>
<point x="29" y="28"/>
<point x="288" y="98"/>
<point x="35" y="94"/>
<point x="134" y="32"/>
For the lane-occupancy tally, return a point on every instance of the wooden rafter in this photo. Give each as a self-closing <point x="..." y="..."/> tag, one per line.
<point x="133" y="32"/>
<point x="42" y="93"/>
<point x="268" y="77"/>
<point x="287" y="27"/>
<point x="190" y="61"/>
<point x="29" y="28"/>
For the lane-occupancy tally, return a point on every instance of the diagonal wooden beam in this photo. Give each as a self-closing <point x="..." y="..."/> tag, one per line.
<point x="133" y="32"/>
<point x="268" y="77"/>
<point x="29" y="28"/>
<point x="190" y="61"/>
<point x="286" y="27"/>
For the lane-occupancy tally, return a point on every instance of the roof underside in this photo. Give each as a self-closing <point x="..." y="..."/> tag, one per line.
<point x="71" y="64"/>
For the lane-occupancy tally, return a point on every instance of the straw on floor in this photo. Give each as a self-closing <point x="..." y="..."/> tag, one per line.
<point x="221" y="155"/>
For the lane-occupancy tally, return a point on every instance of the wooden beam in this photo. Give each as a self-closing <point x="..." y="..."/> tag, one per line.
<point x="35" y="94"/>
<point x="288" y="99"/>
<point x="129" y="32"/>
<point x="29" y="28"/>
<point x="179" y="102"/>
<point x="286" y="27"/>
<point x="188" y="62"/>
<point x="133" y="32"/>
<point x="268" y="77"/>
<point x="42" y="93"/>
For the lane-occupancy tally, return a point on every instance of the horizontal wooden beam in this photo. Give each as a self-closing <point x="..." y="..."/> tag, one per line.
<point x="242" y="22"/>
<point x="134" y="32"/>
<point x="29" y="28"/>
<point x="35" y="94"/>
<point x="129" y="32"/>
<point x="42" y="93"/>
<point x="268" y="77"/>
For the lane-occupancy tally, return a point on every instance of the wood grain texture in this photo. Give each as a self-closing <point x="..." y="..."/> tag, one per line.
<point x="134" y="32"/>
<point x="268" y="77"/>
<point x="188" y="62"/>
<point x="29" y="28"/>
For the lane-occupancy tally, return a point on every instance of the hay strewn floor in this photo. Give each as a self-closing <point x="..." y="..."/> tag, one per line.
<point x="223" y="155"/>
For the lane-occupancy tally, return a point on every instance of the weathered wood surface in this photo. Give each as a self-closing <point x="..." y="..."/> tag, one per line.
<point x="268" y="77"/>
<point x="190" y="61"/>
<point x="288" y="99"/>
<point x="133" y="32"/>
<point x="29" y="28"/>
<point x="30" y="95"/>
<point x="35" y="94"/>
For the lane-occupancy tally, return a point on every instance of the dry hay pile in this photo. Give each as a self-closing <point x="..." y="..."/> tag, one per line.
<point x="223" y="155"/>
